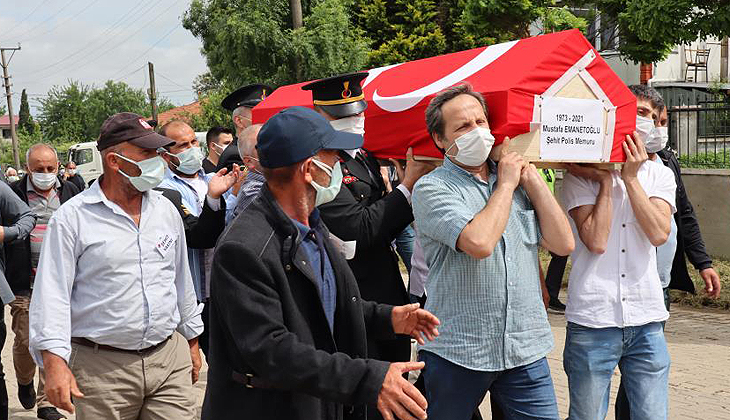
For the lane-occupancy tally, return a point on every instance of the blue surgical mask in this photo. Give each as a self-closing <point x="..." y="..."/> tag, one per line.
<point x="152" y="171"/>
<point x="191" y="160"/>
<point x="327" y="194"/>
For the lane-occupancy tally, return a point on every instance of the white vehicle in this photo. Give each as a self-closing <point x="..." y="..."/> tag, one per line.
<point x="87" y="159"/>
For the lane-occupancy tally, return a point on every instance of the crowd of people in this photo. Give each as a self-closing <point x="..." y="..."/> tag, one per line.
<point x="277" y="257"/>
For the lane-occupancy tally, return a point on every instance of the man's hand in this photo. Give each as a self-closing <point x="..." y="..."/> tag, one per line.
<point x="509" y="168"/>
<point x="529" y="176"/>
<point x="416" y="322"/>
<point x="222" y="181"/>
<point x="60" y="384"/>
<point x="195" y="358"/>
<point x="2" y="234"/>
<point x="635" y="157"/>
<point x="712" y="282"/>
<point x="398" y="398"/>
<point x="415" y="169"/>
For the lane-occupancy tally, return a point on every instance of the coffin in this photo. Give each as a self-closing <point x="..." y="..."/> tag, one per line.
<point x="552" y="94"/>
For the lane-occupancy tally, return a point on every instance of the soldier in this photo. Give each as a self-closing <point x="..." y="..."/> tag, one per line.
<point x="363" y="211"/>
<point x="240" y="102"/>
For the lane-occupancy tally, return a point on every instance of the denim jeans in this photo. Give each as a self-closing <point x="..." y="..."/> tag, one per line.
<point x="453" y="392"/>
<point x="404" y="245"/>
<point x="592" y="354"/>
<point x="622" y="410"/>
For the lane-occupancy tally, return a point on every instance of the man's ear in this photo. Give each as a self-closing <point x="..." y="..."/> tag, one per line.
<point x="307" y="170"/>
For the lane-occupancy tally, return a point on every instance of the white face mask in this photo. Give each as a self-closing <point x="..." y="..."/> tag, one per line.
<point x="658" y="139"/>
<point x="71" y="172"/>
<point x="42" y="180"/>
<point x="327" y="194"/>
<point x="152" y="171"/>
<point x="354" y="124"/>
<point x="191" y="160"/>
<point x="474" y="147"/>
<point x="218" y="149"/>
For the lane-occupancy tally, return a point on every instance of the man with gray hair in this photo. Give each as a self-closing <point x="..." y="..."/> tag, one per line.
<point x="254" y="178"/>
<point x="44" y="192"/>
<point x="480" y="223"/>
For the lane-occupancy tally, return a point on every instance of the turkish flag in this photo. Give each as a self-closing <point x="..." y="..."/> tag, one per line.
<point x="509" y="76"/>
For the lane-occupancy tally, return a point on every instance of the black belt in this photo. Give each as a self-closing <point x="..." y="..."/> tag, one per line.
<point x="88" y="343"/>
<point x="250" y="381"/>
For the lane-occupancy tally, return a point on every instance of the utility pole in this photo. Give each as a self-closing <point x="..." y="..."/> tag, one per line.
<point x="724" y="76"/>
<point x="152" y="91"/>
<point x="6" y="78"/>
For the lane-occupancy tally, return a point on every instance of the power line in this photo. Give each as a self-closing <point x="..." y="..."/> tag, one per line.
<point x="150" y="48"/>
<point x="169" y="80"/>
<point x="85" y="48"/>
<point x="113" y="48"/>
<point x="27" y="16"/>
<point x="130" y="73"/>
<point x="83" y="9"/>
<point x="46" y="20"/>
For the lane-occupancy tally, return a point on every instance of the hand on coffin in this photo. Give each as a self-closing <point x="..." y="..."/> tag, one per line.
<point x="635" y="156"/>
<point x="588" y="172"/>
<point x="529" y="175"/>
<point x="415" y="169"/>
<point x="509" y="168"/>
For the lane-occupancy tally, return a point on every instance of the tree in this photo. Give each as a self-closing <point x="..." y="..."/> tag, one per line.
<point x="75" y="112"/>
<point x="212" y="114"/>
<point x="25" y="121"/>
<point x="402" y="30"/>
<point x="247" y="41"/>
<point x="3" y="110"/>
<point x="649" y="30"/>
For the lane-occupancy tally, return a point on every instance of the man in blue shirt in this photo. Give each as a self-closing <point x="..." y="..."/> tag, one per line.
<point x="480" y="224"/>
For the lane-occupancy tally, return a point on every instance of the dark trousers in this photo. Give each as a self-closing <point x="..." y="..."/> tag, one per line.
<point x="203" y="337"/>
<point x="3" y="388"/>
<point x="554" y="276"/>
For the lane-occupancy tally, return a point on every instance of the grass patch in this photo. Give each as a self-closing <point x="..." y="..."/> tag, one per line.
<point x="710" y="160"/>
<point x="698" y="300"/>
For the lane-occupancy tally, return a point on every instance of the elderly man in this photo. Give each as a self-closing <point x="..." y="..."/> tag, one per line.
<point x="198" y="189"/>
<point x="616" y="306"/>
<point x="113" y="318"/>
<point x="216" y="139"/>
<point x="288" y="326"/>
<point x="11" y="175"/>
<point x="72" y="175"/>
<point x="480" y="224"/>
<point x="254" y="178"/>
<point x="44" y="192"/>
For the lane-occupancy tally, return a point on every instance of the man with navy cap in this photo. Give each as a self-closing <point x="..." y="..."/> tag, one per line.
<point x="362" y="211"/>
<point x="240" y="102"/>
<point x="287" y="324"/>
<point x="113" y="316"/>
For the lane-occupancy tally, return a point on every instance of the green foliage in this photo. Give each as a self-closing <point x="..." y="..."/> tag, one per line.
<point x="556" y="19"/>
<point x="25" y="121"/>
<point x="408" y="32"/>
<point x="651" y="28"/>
<point x="3" y="110"/>
<point x="246" y="41"/>
<point x="75" y="112"/>
<point x="709" y="160"/>
<point x="402" y="30"/>
<point x="212" y="114"/>
<point x="26" y="139"/>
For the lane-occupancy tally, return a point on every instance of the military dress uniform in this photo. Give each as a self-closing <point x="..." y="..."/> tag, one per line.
<point x="364" y="212"/>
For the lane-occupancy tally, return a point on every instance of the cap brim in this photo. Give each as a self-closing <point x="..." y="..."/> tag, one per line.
<point x="152" y="141"/>
<point x="345" y="110"/>
<point x="341" y="140"/>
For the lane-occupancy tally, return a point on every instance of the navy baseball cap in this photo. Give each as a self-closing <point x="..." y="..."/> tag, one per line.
<point x="298" y="133"/>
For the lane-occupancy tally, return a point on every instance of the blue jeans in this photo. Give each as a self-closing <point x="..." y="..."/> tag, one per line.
<point x="453" y="392"/>
<point x="404" y="245"/>
<point x="592" y="354"/>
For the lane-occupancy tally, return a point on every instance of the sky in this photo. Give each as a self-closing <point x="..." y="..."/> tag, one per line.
<point x="92" y="41"/>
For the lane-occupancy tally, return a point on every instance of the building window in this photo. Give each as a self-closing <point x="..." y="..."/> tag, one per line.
<point x="6" y="133"/>
<point x="602" y="31"/>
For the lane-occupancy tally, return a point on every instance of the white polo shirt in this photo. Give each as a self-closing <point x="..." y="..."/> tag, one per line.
<point x="621" y="287"/>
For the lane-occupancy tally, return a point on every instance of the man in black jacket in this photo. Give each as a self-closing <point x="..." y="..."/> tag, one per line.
<point x="43" y="191"/>
<point x="288" y="327"/>
<point x="363" y="213"/>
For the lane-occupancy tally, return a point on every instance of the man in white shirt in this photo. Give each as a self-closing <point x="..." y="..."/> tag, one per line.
<point x="185" y="175"/>
<point x="615" y="300"/>
<point x="113" y="303"/>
